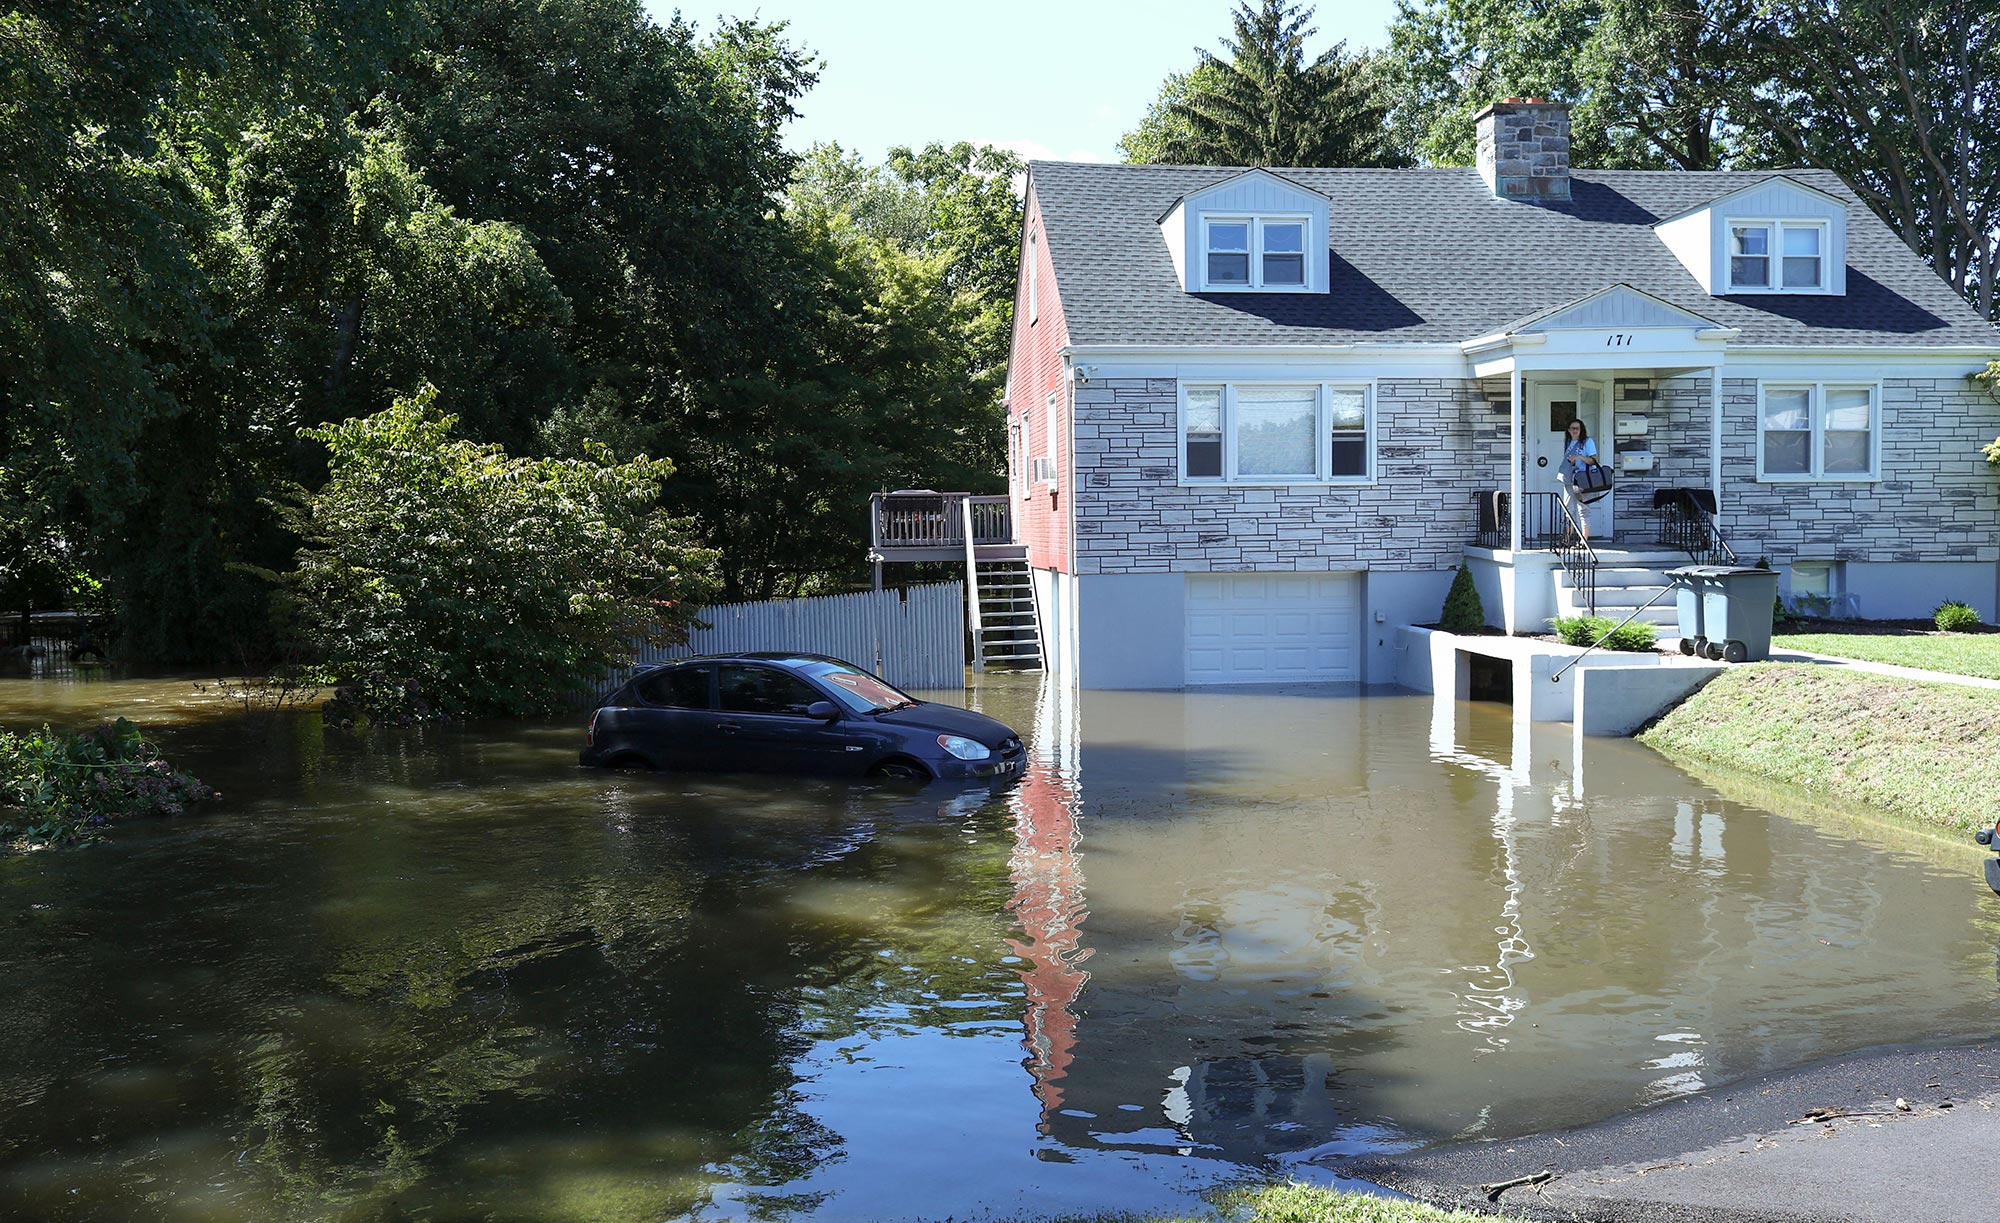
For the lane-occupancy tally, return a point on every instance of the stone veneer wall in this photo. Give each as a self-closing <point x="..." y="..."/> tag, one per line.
<point x="1938" y="499"/>
<point x="1133" y="516"/>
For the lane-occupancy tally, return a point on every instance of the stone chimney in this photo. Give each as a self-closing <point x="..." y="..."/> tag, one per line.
<point x="1524" y="149"/>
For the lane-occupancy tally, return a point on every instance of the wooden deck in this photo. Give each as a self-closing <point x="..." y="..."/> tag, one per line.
<point x="927" y="526"/>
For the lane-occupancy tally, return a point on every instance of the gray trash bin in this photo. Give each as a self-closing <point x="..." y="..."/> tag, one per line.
<point x="1689" y="583"/>
<point x="1728" y="607"/>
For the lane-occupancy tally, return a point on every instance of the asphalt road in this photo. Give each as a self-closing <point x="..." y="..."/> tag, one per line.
<point x="1739" y="1154"/>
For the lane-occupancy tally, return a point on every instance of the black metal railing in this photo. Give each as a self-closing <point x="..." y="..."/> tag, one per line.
<point x="1577" y="558"/>
<point x="1687" y="526"/>
<point x="1542" y="521"/>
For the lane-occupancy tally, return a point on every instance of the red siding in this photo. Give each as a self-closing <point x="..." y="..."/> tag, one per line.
<point x="1034" y="372"/>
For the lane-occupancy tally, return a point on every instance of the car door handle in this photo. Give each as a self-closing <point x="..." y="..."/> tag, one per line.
<point x="729" y="728"/>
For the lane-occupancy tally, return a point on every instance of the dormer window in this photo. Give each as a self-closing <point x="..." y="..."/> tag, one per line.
<point x="1254" y="252"/>
<point x="1777" y="256"/>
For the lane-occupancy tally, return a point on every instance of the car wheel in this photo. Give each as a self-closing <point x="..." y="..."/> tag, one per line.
<point x="900" y="770"/>
<point x="629" y="762"/>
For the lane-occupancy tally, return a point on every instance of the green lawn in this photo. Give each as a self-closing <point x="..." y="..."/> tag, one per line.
<point x="1296" y="1203"/>
<point x="1922" y="751"/>
<point x="1959" y="653"/>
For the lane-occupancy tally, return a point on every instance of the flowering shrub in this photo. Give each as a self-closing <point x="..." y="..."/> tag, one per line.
<point x="57" y="787"/>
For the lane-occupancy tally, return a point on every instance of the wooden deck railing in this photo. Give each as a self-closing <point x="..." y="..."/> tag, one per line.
<point x="938" y="520"/>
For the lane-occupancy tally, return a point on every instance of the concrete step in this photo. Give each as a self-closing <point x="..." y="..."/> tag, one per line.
<point x="1621" y="575"/>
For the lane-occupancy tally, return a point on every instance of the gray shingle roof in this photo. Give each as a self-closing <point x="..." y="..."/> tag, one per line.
<point x="1429" y="255"/>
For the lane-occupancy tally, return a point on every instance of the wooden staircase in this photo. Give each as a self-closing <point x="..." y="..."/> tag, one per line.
<point x="1005" y="629"/>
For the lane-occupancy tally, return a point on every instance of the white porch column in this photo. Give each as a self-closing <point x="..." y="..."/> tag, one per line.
<point x="1514" y="460"/>
<point x="1715" y="436"/>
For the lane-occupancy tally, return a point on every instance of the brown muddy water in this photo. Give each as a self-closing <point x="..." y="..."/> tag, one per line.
<point x="447" y="975"/>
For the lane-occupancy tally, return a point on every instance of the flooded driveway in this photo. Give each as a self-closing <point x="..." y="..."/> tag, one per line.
<point x="445" y="974"/>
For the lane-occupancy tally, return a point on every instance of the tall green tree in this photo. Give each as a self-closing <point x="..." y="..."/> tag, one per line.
<point x="1266" y="104"/>
<point x="1901" y="98"/>
<point x="1644" y="77"/>
<point x="1162" y="124"/>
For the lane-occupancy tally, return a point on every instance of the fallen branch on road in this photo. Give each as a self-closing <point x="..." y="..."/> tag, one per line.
<point x="1494" y="1190"/>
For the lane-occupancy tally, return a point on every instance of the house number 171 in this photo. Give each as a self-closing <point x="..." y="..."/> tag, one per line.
<point x="1618" y="339"/>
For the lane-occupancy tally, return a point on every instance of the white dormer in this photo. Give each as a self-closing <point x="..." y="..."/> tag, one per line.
<point x="1775" y="236"/>
<point x="1254" y="233"/>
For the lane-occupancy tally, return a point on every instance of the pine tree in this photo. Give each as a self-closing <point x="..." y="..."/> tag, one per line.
<point x="1267" y="105"/>
<point x="1463" y="612"/>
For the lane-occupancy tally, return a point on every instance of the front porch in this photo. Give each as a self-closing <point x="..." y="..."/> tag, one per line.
<point x="1605" y="361"/>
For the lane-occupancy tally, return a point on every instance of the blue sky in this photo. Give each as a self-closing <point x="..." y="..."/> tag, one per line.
<point x="913" y="71"/>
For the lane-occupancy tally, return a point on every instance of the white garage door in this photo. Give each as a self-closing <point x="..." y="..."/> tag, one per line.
<point x="1265" y="628"/>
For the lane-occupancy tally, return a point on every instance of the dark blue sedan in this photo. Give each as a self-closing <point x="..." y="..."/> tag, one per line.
<point x="792" y="713"/>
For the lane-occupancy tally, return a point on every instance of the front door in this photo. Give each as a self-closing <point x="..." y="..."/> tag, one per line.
<point x="1551" y="406"/>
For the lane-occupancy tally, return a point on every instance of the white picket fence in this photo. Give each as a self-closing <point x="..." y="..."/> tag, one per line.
<point x="918" y="634"/>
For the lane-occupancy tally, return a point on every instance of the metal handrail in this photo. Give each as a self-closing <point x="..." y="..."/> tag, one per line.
<point x="1713" y="532"/>
<point x="1578" y="558"/>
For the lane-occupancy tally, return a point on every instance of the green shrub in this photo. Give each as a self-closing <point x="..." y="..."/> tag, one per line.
<point x="441" y="577"/>
<point x="1604" y="631"/>
<point x="1953" y="616"/>
<point x="57" y="787"/>
<point x="1463" y="612"/>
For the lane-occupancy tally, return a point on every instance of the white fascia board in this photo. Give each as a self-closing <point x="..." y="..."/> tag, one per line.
<point x="1272" y="361"/>
<point x="1786" y="361"/>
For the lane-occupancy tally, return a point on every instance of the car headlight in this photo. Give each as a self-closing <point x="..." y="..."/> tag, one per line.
<point x="964" y="749"/>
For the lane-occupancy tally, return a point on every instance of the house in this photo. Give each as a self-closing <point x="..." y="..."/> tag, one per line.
<point x="1257" y="418"/>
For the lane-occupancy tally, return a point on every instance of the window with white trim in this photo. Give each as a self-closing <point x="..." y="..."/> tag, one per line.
<point x="1254" y="252"/>
<point x="1034" y="277"/>
<point x="1043" y="468"/>
<point x="1277" y="433"/>
<point x="1770" y="256"/>
<point x="1818" y="431"/>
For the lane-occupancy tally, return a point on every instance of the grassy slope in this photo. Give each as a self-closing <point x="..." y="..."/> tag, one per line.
<point x="1960" y="654"/>
<point x="1925" y="752"/>
<point x="1296" y="1203"/>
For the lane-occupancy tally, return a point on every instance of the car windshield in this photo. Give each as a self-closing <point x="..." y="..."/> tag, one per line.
<point x="857" y="689"/>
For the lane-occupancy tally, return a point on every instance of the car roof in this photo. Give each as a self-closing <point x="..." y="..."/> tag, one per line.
<point x="750" y="656"/>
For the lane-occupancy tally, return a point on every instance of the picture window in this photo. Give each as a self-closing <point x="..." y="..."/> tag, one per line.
<point x="1277" y="433"/>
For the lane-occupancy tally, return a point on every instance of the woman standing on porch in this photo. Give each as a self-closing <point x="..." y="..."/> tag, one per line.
<point x="1579" y="451"/>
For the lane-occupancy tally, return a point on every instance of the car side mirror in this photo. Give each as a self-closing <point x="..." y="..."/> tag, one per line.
<point x="825" y="711"/>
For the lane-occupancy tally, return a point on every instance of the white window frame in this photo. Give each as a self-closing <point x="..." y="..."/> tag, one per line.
<point x="1777" y="226"/>
<point x="1322" y="432"/>
<point x="1816" y="423"/>
<point x="1042" y="468"/>
<point x="1034" y="277"/>
<point x="1017" y="455"/>
<point x="1256" y="221"/>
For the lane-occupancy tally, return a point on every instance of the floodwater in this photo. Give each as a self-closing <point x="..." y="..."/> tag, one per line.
<point x="445" y="974"/>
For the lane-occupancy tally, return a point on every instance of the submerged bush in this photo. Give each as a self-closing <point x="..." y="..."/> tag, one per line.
<point x="1604" y="631"/>
<point x="1953" y="616"/>
<point x="1463" y="612"/>
<point x="442" y="577"/>
<point x="57" y="787"/>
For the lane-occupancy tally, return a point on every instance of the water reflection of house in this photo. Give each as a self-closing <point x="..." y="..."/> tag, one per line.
<point x="1048" y="902"/>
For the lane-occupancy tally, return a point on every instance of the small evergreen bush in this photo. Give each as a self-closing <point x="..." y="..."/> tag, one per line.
<point x="1953" y="616"/>
<point x="1599" y="630"/>
<point x="1463" y="612"/>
